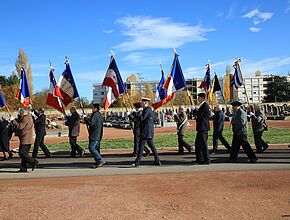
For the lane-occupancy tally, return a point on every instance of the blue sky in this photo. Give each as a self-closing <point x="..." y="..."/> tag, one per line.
<point x="141" y="33"/>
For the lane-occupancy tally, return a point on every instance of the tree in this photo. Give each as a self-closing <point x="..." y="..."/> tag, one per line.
<point x="132" y="78"/>
<point x="22" y="61"/>
<point x="277" y="90"/>
<point x="39" y="99"/>
<point x="86" y="103"/>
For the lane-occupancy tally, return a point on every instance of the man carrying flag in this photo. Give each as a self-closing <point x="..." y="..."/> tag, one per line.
<point x="23" y="94"/>
<point x="52" y="100"/>
<point x="66" y="88"/>
<point x="114" y="81"/>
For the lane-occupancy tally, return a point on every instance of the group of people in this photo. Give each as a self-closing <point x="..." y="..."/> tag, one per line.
<point x="143" y="130"/>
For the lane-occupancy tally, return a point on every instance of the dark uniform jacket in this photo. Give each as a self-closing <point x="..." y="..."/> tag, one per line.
<point x="218" y="121"/>
<point x="258" y="122"/>
<point x="95" y="123"/>
<point x="239" y="123"/>
<point x="202" y="117"/>
<point x="73" y="123"/>
<point x="136" y="118"/>
<point x="39" y="124"/>
<point x="5" y="135"/>
<point x="181" y="121"/>
<point x="147" y="123"/>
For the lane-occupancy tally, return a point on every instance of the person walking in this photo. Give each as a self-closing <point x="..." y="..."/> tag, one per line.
<point x="181" y="122"/>
<point x="5" y="136"/>
<point x="218" y="126"/>
<point x="23" y="127"/>
<point x="146" y="133"/>
<point x="202" y="127"/>
<point x="135" y="117"/>
<point x="73" y="123"/>
<point x="39" y="119"/>
<point x="239" y="127"/>
<point x="95" y="124"/>
<point x="259" y="126"/>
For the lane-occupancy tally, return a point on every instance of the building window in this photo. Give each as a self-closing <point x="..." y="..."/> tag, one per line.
<point x="103" y="93"/>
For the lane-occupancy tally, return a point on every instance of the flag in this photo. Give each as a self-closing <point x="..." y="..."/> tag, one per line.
<point x="113" y="79"/>
<point x="66" y="88"/>
<point x="205" y="84"/>
<point x="227" y="87"/>
<point x="216" y="85"/>
<point x="2" y="100"/>
<point x="238" y="78"/>
<point x="23" y="94"/>
<point x="160" y="94"/>
<point x="110" y="98"/>
<point x="175" y="79"/>
<point x="52" y="100"/>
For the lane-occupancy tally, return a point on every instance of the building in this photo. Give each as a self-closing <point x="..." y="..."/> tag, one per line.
<point x="99" y="92"/>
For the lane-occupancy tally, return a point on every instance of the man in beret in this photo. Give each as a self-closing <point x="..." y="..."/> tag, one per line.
<point x="146" y="133"/>
<point x="239" y="127"/>
<point x="202" y="127"/>
<point x="136" y="118"/>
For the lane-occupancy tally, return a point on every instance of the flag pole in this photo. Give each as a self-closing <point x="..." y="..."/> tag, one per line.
<point x="7" y="108"/>
<point x="245" y="90"/>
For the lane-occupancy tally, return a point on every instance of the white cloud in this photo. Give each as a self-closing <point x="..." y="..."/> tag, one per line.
<point x="108" y="31"/>
<point x="152" y="33"/>
<point x="254" y="29"/>
<point x="259" y="16"/>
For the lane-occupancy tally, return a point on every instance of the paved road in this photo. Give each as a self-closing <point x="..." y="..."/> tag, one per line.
<point x="118" y="162"/>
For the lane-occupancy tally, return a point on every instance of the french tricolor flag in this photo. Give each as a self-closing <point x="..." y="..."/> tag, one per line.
<point x="115" y="83"/>
<point x="23" y="94"/>
<point x="66" y="88"/>
<point x="160" y="95"/>
<point x="52" y="100"/>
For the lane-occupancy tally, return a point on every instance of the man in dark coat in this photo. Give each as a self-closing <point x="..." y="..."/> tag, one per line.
<point x="218" y="126"/>
<point x="95" y="123"/>
<point x="259" y="126"/>
<point x="5" y="136"/>
<point x="39" y="119"/>
<point x="73" y="123"/>
<point x="136" y="118"/>
<point x="239" y="126"/>
<point x="146" y="133"/>
<point x="181" y="121"/>
<point x="202" y="127"/>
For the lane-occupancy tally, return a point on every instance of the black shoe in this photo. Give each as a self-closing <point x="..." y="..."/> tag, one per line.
<point x="180" y="153"/>
<point x="206" y="162"/>
<point x="48" y="156"/>
<point x="157" y="163"/>
<point x="133" y="155"/>
<point x="135" y="165"/>
<point x="72" y="156"/>
<point x="265" y="148"/>
<point x="82" y="153"/>
<point x="34" y="165"/>
<point x="21" y="171"/>
<point x="197" y="162"/>
<point x="253" y="160"/>
<point x="10" y="155"/>
<point x="259" y="151"/>
<point x="98" y="164"/>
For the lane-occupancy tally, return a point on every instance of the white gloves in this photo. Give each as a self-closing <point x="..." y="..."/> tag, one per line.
<point x="192" y="107"/>
<point x="230" y="119"/>
<point x="174" y="113"/>
<point x="11" y="118"/>
<point x="251" y="114"/>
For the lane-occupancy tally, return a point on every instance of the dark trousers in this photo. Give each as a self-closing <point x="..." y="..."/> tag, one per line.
<point x="150" y="143"/>
<point x="218" y="135"/>
<point x="182" y="143"/>
<point x="259" y="142"/>
<point x="74" y="146"/>
<point x="239" y="140"/>
<point x="25" y="158"/>
<point x="201" y="147"/>
<point x="39" y="142"/>
<point x="136" y="142"/>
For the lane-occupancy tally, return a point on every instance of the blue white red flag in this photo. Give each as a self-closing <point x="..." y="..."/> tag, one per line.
<point x="160" y="95"/>
<point x="23" y="94"/>
<point x="2" y="100"/>
<point x="205" y="84"/>
<point x="238" y="78"/>
<point x="66" y="88"/>
<point x="52" y="100"/>
<point x="175" y="79"/>
<point x="113" y="79"/>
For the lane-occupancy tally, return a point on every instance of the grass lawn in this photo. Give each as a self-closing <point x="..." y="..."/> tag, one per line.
<point x="272" y="136"/>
